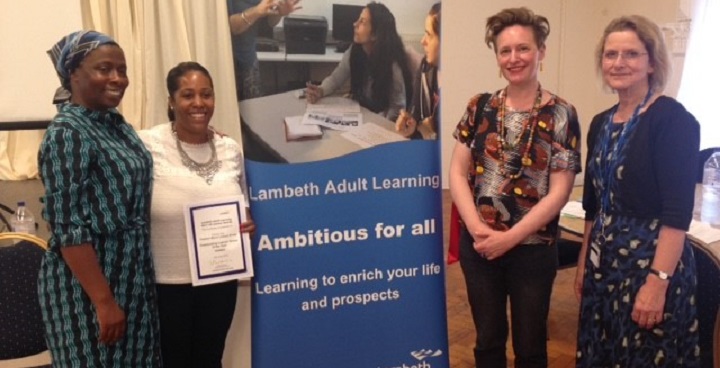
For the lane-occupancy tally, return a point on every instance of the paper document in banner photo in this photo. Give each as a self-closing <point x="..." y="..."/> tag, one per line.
<point x="336" y="113"/>
<point x="371" y="134"/>
<point x="334" y="120"/>
<point x="295" y="130"/>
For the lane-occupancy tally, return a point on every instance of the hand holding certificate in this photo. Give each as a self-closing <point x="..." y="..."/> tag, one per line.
<point x="218" y="250"/>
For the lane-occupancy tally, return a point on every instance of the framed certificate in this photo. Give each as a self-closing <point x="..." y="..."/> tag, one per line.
<point x="218" y="251"/>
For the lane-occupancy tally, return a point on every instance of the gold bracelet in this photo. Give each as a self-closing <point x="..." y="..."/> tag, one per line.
<point x="242" y="15"/>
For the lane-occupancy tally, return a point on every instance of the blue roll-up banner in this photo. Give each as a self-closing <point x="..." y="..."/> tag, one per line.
<point x="349" y="261"/>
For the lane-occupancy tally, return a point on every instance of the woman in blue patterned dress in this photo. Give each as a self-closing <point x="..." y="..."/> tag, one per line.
<point x="96" y="284"/>
<point x="636" y="272"/>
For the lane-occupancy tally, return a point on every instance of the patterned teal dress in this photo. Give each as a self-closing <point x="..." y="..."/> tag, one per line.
<point x="650" y="185"/>
<point x="97" y="176"/>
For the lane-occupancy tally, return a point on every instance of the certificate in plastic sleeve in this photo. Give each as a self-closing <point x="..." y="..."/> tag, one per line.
<point x="218" y="251"/>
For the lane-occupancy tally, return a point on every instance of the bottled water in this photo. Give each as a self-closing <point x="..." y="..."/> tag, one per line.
<point x="23" y="220"/>
<point x="710" y="211"/>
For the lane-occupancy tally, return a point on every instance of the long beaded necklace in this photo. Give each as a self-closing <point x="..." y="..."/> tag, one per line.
<point x="503" y="144"/>
<point x="206" y="170"/>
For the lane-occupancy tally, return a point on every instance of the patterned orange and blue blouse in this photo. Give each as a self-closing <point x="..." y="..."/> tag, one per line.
<point x="508" y="181"/>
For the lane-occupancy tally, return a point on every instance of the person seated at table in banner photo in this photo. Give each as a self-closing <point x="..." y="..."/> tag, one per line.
<point x="376" y="65"/>
<point x="421" y="119"/>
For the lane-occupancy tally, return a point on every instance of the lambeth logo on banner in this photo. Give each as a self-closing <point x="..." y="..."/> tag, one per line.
<point x="349" y="260"/>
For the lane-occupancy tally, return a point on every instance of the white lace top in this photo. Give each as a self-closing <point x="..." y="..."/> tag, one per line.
<point x="174" y="185"/>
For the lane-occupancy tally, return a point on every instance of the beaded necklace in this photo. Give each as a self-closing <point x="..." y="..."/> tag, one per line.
<point x="205" y="170"/>
<point x="503" y="144"/>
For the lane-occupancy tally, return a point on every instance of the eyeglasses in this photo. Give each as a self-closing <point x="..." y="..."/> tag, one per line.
<point x="610" y="56"/>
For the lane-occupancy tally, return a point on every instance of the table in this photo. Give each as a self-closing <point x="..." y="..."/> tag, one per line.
<point x="576" y="226"/>
<point x="264" y="131"/>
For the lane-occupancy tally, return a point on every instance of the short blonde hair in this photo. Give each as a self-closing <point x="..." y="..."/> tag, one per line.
<point x="516" y="16"/>
<point x="652" y="38"/>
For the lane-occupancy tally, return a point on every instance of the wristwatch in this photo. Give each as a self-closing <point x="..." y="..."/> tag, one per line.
<point x="660" y="274"/>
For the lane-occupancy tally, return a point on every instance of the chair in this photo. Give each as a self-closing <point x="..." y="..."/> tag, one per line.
<point x="708" y="305"/>
<point x="22" y="341"/>
<point x="4" y="223"/>
<point x="568" y="252"/>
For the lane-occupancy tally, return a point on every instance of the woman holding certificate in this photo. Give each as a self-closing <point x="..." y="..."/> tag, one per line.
<point x="190" y="164"/>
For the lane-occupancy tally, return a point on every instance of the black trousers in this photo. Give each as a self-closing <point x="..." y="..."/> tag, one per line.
<point x="194" y="322"/>
<point x="525" y="274"/>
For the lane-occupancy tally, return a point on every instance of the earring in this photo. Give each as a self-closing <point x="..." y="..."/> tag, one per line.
<point x="500" y="73"/>
<point x="541" y="68"/>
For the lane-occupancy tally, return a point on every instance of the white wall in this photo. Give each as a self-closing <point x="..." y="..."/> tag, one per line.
<point x="469" y="67"/>
<point x="28" y="29"/>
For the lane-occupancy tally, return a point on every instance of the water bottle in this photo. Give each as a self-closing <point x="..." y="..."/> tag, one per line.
<point x="710" y="211"/>
<point x="23" y="220"/>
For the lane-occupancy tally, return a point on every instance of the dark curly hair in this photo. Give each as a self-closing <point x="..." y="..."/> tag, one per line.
<point x="387" y="50"/>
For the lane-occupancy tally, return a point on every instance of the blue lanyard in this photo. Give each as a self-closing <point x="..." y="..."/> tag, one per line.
<point x="608" y="166"/>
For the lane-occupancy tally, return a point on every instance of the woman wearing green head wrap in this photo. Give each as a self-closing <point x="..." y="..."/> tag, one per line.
<point x="96" y="284"/>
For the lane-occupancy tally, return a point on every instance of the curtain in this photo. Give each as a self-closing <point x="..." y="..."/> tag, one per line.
<point x="18" y="154"/>
<point x="700" y="73"/>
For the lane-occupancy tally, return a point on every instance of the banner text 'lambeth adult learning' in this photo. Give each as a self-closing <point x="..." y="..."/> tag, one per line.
<point x="348" y="261"/>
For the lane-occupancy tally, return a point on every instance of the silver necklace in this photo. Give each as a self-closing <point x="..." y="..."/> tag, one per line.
<point x="206" y="170"/>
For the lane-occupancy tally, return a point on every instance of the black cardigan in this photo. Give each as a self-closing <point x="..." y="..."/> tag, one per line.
<point x="659" y="169"/>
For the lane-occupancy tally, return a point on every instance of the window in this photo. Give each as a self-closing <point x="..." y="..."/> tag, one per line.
<point x="701" y="74"/>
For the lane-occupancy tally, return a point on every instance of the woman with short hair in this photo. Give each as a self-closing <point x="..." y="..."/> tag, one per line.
<point x="511" y="172"/>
